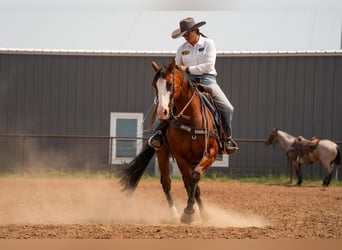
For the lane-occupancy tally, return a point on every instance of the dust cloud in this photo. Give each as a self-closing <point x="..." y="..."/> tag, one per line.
<point x="92" y="201"/>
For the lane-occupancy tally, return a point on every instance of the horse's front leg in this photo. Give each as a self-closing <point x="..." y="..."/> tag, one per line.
<point x="298" y="168"/>
<point x="189" y="211"/>
<point x="165" y="180"/>
<point x="194" y="192"/>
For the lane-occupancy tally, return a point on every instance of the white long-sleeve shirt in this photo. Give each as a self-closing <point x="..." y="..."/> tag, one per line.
<point x="200" y="59"/>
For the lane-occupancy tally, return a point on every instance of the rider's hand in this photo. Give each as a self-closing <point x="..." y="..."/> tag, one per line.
<point x="182" y="67"/>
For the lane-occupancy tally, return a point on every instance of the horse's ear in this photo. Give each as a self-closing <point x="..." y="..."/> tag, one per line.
<point x="155" y="66"/>
<point x="173" y="63"/>
<point x="171" y="66"/>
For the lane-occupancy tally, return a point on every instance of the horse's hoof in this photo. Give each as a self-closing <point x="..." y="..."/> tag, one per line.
<point x="187" y="217"/>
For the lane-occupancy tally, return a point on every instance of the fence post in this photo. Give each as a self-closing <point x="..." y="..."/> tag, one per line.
<point x="110" y="157"/>
<point x="23" y="153"/>
<point x="336" y="173"/>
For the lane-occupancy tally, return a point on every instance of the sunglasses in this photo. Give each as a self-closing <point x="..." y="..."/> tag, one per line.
<point x="187" y="33"/>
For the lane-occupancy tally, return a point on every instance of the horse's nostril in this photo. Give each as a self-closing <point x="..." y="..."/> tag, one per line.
<point x="165" y="112"/>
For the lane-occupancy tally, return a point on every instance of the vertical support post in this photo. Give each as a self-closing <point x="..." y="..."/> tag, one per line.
<point x="110" y="157"/>
<point x="291" y="170"/>
<point x="23" y="153"/>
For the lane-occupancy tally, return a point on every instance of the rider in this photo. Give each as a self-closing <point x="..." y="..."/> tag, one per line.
<point x="197" y="57"/>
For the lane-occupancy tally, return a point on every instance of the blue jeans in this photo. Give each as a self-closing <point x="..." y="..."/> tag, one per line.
<point x="223" y="104"/>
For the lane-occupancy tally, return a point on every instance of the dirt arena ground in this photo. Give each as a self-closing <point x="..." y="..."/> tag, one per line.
<point x="95" y="208"/>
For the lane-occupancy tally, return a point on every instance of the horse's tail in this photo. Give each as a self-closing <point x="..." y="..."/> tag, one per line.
<point x="133" y="171"/>
<point x="338" y="156"/>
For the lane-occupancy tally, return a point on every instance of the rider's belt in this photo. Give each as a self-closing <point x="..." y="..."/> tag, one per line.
<point x="199" y="77"/>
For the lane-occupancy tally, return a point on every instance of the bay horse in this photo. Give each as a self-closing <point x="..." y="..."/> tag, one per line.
<point x="300" y="150"/>
<point x="190" y="139"/>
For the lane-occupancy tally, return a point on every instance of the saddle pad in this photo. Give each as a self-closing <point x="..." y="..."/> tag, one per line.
<point x="212" y="110"/>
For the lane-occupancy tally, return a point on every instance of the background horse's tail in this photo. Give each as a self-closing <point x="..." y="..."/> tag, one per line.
<point x="133" y="171"/>
<point x="338" y="156"/>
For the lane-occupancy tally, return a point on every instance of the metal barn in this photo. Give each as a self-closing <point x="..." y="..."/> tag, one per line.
<point x="74" y="111"/>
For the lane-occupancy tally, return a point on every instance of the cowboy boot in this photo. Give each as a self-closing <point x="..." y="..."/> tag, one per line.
<point x="156" y="140"/>
<point x="230" y="146"/>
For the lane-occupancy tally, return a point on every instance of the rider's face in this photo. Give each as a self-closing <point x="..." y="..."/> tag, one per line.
<point x="190" y="36"/>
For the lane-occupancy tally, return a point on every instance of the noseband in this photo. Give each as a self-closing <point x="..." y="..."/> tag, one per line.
<point x="203" y="129"/>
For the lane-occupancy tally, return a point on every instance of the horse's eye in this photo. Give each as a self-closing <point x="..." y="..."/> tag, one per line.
<point x="169" y="85"/>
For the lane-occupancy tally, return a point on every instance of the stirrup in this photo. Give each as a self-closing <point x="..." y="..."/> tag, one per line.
<point x="231" y="147"/>
<point x="156" y="140"/>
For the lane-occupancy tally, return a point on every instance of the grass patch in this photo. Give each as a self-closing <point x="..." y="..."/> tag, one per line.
<point x="280" y="180"/>
<point x="260" y="179"/>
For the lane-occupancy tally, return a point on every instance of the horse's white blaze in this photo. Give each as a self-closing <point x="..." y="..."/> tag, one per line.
<point x="163" y="98"/>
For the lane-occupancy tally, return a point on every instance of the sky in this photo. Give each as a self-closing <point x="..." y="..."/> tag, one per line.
<point x="146" y="25"/>
<point x="174" y="5"/>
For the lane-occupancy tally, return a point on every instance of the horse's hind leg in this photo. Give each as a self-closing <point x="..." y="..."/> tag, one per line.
<point x="166" y="184"/>
<point x="327" y="180"/>
<point x="204" y="214"/>
<point x="165" y="180"/>
<point x="329" y="172"/>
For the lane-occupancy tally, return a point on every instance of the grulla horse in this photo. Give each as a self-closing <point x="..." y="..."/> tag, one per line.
<point x="303" y="151"/>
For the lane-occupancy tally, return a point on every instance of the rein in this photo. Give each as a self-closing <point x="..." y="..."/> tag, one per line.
<point x="204" y="112"/>
<point x="174" y="118"/>
<point x="180" y="114"/>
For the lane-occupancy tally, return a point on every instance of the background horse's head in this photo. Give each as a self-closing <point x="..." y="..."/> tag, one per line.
<point x="167" y="81"/>
<point x="273" y="137"/>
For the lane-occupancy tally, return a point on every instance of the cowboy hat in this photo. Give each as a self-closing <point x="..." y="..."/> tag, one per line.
<point x="186" y="25"/>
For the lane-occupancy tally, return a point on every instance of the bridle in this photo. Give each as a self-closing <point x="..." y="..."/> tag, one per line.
<point x="174" y="118"/>
<point x="170" y="85"/>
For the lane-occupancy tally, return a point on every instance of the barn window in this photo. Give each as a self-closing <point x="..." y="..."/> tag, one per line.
<point x="126" y="130"/>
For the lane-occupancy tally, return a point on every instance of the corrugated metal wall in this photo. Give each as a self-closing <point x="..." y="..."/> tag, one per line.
<point x="74" y="95"/>
<point x="70" y="94"/>
<point x="298" y="94"/>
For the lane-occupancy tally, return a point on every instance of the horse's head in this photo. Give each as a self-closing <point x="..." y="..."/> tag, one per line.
<point x="167" y="82"/>
<point x="273" y="137"/>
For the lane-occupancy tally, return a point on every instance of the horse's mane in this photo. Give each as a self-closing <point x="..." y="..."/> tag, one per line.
<point x="288" y="136"/>
<point x="162" y="72"/>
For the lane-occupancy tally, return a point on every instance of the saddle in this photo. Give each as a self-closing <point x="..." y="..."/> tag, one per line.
<point x="303" y="148"/>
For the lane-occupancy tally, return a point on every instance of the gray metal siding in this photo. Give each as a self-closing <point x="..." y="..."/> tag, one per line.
<point x="297" y="94"/>
<point x="74" y="95"/>
<point x="71" y="94"/>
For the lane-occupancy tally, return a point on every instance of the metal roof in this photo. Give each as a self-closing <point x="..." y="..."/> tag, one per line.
<point x="168" y="53"/>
